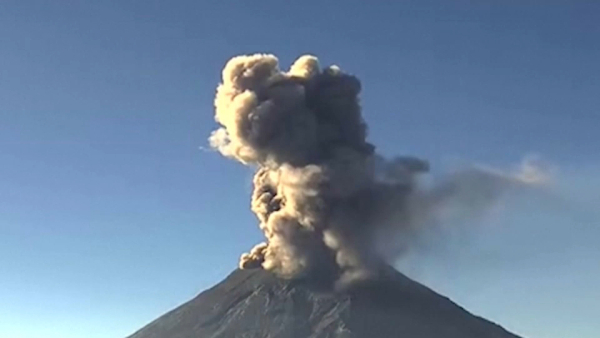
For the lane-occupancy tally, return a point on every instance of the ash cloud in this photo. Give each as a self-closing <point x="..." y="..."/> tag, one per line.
<point x="328" y="204"/>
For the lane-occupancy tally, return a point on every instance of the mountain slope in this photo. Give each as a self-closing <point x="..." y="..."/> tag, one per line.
<point x="254" y="303"/>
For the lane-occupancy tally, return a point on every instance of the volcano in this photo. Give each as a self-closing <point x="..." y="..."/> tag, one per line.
<point x="257" y="304"/>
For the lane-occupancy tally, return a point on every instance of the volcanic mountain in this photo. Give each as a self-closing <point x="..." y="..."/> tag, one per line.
<point x="255" y="303"/>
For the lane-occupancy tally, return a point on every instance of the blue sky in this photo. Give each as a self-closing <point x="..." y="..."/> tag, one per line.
<point x="110" y="214"/>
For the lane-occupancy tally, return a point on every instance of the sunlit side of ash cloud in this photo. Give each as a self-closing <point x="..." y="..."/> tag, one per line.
<point x="328" y="203"/>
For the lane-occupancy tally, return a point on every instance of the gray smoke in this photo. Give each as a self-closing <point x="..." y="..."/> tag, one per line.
<point x="328" y="204"/>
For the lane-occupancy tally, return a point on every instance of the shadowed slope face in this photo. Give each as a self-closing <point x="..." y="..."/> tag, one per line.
<point x="254" y="303"/>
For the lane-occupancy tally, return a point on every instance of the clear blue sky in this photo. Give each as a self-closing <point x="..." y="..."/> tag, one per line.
<point x="110" y="214"/>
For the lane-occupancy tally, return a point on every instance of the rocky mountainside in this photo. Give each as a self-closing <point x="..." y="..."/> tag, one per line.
<point x="254" y="303"/>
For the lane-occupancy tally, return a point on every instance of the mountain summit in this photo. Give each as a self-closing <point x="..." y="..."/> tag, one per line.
<point x="257" y="304"/>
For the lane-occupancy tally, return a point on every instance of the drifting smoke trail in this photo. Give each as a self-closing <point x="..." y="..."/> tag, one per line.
<point x="327" y="203"/>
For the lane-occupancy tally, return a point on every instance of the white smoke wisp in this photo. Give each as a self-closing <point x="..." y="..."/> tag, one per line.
<point x="328" y="204"/>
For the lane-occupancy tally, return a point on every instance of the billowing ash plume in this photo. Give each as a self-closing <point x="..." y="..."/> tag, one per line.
<point x="328" y="204"/>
